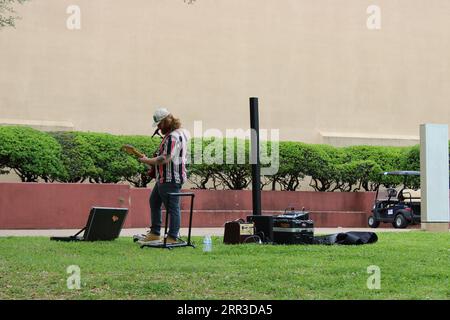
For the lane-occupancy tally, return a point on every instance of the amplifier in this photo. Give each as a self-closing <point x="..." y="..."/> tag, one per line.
<point x="289" y="229"/>
<point x="239" y="231"/>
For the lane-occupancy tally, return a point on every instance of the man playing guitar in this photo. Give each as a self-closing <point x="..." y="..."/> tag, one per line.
<point x="170" y="174"/>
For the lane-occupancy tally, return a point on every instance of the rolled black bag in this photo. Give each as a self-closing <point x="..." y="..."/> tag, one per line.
<point x="347" y="238"/>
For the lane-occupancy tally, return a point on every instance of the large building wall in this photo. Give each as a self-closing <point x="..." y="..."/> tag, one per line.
<point x="320" y="73"/>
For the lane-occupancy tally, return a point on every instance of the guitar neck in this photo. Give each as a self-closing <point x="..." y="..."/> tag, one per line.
<point x="138" y="154"/>
<point x="132" y="150"/>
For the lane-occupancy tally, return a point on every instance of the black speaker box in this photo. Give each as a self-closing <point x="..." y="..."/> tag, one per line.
<point x="263" y="227"/>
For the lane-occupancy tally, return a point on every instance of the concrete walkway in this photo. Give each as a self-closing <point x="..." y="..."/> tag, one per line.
<point x="184" y="231"/>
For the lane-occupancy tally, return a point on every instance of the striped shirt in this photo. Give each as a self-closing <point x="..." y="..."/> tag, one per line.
<point x="174" y="145"/>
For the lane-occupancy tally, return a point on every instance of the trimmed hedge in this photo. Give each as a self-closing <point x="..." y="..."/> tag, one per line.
<point x="97" y="158"/>
<point x="210" y="168"/>
<point x="31" y="154"/>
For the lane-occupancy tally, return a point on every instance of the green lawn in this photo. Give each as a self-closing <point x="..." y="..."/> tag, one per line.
<point x="413" y="265"/>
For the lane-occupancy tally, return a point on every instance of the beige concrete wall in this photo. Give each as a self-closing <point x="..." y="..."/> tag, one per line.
<point x="321" y="75"/>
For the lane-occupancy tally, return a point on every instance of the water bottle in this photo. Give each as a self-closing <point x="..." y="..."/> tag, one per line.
<point x="207" y="244"/>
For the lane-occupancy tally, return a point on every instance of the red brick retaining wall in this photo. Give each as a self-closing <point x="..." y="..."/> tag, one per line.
<point x="55" y="205"/>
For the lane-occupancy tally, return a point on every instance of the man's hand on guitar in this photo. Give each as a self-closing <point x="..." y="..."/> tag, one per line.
<point x="143" y="159"/>
<point x="150" y="162"/>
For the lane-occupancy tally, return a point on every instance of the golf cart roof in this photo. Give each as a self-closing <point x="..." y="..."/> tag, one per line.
<point x="402" y="173"/>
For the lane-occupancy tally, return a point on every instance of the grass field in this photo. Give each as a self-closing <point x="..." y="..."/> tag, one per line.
<point x="413" y="265"/>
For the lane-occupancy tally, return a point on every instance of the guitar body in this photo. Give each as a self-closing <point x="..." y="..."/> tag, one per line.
<point x="151" y="173"/>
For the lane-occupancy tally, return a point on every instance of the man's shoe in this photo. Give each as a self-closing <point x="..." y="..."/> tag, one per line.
<point x="150" y="237"/>
<point x="171" y="240"/>
<point x="140" y="237"/>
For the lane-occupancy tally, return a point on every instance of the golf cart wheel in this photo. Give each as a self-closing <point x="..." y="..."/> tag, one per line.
<point x="372" y="222"/>
<point x="400" y="222"/>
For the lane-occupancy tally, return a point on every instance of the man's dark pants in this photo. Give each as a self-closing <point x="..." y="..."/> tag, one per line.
<point x="157" y="198"/>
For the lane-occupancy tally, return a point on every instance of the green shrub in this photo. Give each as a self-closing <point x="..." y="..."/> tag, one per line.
<point x="76" y="157"/>
<point x="211" y="165"/>
<point x="112" y="164"/>
<point x="99" y="158"/>
<point x="290" y="172"/>
<point x="411" y="160"/>
<point x="385" y="158"/>
<point x="31" y="154"/>
<point x="319" y="162"/>
<point x="298" y="160"/>
<point x="356" y="175"/>
<point x="236" y="174"/>
<point x="201" y="174"/>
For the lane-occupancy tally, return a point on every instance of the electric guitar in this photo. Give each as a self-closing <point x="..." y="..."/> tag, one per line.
<point x="135" y="152"/>
<point x="128" y="148"/>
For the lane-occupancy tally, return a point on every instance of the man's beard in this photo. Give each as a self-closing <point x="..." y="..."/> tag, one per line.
<point x="165" y="130"/>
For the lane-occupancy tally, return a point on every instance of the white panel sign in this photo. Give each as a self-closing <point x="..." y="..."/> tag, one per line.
<point x="434" y="171"/>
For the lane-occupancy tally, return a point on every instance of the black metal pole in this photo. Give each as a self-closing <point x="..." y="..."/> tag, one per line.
<point x="190" y="220"/>
<point x="254" y="156"/>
